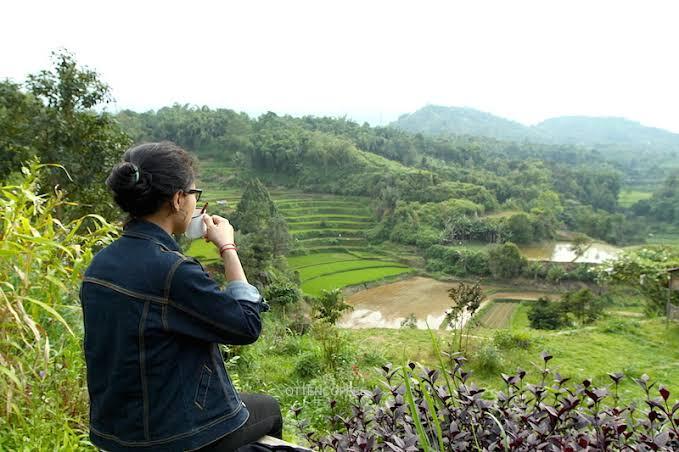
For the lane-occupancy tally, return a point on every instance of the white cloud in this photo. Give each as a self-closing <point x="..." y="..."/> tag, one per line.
<point x="526" y="60"/>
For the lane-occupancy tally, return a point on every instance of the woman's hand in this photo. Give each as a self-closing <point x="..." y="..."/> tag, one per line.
<point x="219" y="230"/>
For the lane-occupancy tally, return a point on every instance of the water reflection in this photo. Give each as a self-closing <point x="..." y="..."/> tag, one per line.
<point x="564" y="252"/>
<point x="389" y="305"/>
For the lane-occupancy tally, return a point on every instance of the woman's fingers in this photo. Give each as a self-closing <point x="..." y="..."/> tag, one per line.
<point x="219" y="220"/>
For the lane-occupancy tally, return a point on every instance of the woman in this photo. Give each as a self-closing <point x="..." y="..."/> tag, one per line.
<point x="153" y="318"/>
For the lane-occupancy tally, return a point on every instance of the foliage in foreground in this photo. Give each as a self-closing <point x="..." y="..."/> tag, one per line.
<point x="439" y="409"/>
<point x="42" y="260"/>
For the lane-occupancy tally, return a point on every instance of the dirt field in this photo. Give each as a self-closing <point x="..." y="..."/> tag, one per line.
<point x="388" y="305"/>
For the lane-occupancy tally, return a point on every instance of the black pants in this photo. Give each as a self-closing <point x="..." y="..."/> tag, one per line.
<point x="265" y="419"/>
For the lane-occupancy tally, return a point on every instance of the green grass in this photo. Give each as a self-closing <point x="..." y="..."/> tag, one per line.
<point x="204" y="251"/>
<point x="667" y="239"/>
<point x="349" y="278"/>
<point x="627" y="198"/>
<point x="503" y="214"/>
<point x="519" y="318"/>
<point x="611" y="345"/>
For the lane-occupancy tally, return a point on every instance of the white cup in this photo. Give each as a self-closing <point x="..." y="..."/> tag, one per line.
<point x="197" y="228"/>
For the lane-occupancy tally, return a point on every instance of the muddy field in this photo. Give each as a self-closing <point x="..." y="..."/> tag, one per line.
<point x="388" y="305"/>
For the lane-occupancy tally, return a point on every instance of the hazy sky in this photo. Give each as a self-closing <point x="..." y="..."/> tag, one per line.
<point x="370" y="60"/>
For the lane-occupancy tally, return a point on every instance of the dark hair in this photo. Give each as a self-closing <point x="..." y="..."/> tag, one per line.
<point x="149" y="175"/>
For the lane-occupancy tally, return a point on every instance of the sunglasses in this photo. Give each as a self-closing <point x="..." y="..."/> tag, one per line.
<point x="197" y="191"/>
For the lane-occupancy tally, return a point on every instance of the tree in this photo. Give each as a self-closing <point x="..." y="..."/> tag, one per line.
<point x="386" y="200"/>
<point x="505" y="261"/>
<point x="18" y="113"/>
<point x="69" y="131"/>
<point x="256" y="256"/>
<point x="520" y="228"/>
<point x="579" y="245"/>
<point x="584" y="305"/>
<point x="282" y="293"/>
<point x="556" y="273"/>
<point x="277" y="234"/>
<point x="646" y="270"/>
<point x="330" y="306"/>
<point x="255" y="209"/>
<point x="466" y="299"/>
<point x="547" y="315"/>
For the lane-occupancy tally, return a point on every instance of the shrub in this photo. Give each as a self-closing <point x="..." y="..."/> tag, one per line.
<point x="336" y="348"/>
<point x="556" y="273"/>
<point x="547" y="315"/>
<point x="583" y="305"/>
<point x="291" y="346"/>
<point x="409" y="322"/>
<point x="330" y="305"/>
<point x="427" y="237"/>
<point x="373" y="357"/>
<point x="282" y="293"/>
<point x="620" y="326"/>
<point x="582" y="272"/>
<point x="488" y="359"/>
<point x="505" y="261"/>
<point x="308" y="365"/>
<point x="506" y="339"/>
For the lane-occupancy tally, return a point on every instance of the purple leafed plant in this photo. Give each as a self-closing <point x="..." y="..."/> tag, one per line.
<point x="439" y="409"/>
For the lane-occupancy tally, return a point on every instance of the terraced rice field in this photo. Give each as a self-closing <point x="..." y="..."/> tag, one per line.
<point x="320" y="271"/>
<point x="329" y="249"/>
<point x="350" y="278"/>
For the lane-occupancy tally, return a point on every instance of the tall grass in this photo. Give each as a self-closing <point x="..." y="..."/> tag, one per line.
<point x="41" y="262"/>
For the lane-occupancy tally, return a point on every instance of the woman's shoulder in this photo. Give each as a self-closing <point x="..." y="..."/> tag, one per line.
<point x="124" y="254"/>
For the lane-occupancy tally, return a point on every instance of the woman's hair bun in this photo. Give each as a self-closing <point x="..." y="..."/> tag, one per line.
<point x="149" y="175"/>
<point x="123" y="177"/>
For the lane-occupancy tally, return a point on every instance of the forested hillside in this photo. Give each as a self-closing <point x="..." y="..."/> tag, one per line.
<point x="644" y="154"/>
<point x="558" y="185"/>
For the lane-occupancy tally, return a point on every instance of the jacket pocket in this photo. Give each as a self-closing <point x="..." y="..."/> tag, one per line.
<point x="203" y="386"/>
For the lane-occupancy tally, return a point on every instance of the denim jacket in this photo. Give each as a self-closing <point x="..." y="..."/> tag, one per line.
<point x="153" y="319"/>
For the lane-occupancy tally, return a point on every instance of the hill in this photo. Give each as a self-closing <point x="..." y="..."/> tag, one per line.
<point x="439" y="120"/>
<point x="588" y="131"/>
<point x="607" y="131"/>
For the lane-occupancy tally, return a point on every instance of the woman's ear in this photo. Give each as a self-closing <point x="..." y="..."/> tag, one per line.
<point x="175" y="202"/>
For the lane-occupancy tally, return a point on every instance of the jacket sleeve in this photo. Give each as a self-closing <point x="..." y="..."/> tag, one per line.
<point x="199" y="308"/>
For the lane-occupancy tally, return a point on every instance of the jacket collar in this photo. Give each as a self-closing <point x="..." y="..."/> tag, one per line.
<point x="140" y="228"/>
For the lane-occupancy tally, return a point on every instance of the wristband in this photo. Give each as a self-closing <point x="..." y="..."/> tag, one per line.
<point x="227" y="246"/>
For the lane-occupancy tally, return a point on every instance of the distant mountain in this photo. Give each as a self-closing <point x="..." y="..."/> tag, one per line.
<point x="438" y="120"/>
<point x="611" y="131"/>
<point x="597" y="132"/>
